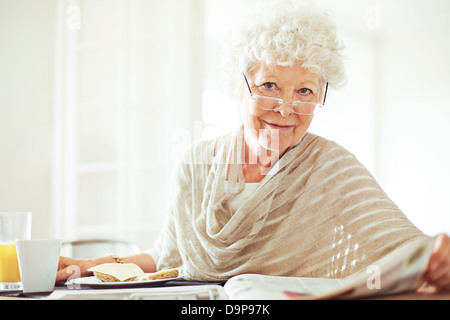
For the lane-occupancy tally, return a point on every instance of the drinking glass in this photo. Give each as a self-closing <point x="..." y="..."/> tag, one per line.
<point x="13" y="226"/>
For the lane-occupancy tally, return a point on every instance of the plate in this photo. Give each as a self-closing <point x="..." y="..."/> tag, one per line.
<point x="95" y="282"/>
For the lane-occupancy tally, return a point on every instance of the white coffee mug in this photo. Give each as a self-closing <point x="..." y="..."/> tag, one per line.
<point x="38" y="264"/>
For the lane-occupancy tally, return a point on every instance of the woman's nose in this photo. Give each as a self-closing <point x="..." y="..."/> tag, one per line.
<point x="285" y="110"/>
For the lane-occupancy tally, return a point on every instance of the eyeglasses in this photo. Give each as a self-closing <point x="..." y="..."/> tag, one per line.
<point x="298" y="107"/>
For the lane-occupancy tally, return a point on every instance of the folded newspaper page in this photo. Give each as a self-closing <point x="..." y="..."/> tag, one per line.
<point x="194" y="292"/>
<point x="399" y="271"/>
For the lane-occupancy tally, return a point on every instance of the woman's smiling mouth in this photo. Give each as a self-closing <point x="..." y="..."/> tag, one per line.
<point x="279" y="127"/>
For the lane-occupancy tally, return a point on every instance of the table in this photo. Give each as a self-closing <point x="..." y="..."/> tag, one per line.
<point x="17" y="295"/>
<point x="225" y="308"/>
<point x="416" y="296"/>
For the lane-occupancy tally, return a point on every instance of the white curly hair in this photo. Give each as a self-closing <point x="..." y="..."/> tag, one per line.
<point x="281" y="34"/>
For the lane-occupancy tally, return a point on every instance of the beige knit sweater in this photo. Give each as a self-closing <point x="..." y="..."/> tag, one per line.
<point x="318" y="213"/>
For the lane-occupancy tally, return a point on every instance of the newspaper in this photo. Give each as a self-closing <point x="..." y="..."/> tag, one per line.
<point x="399" y="271"/>
<point x="194" y="292"/>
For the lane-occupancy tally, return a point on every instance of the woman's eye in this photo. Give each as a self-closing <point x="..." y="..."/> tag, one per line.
<point x="305" y="91"/>
<point x="269" y="85"/>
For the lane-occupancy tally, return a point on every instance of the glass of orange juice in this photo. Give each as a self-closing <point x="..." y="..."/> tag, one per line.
<point x="13" y="226"/>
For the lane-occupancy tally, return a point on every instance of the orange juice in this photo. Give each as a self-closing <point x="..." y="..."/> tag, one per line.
<point x="9" y="265"/>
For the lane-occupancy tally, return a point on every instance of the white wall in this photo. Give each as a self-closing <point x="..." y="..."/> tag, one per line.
<point x="26" y="105"/>
<point x="414" y="131"/>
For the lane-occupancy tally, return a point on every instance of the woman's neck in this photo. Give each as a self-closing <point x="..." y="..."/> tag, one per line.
<point x="258" y="160"/>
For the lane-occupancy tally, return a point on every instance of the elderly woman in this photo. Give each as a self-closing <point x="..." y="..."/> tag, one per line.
<point x="272" y="198"/>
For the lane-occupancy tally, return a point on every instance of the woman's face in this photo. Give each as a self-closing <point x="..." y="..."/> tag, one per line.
<point x="280" y="128"/>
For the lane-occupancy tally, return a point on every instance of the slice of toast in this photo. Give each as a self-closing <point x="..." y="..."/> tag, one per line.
<point x="164" y="274"/>
<point x="110" y="278"/>
<point x="111" y="272"/>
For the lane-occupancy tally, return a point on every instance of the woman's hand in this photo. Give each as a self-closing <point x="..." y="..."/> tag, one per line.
<point x="437" y="275"/>
<point x="72" y="268"/>
<point x="75" y="268"/>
